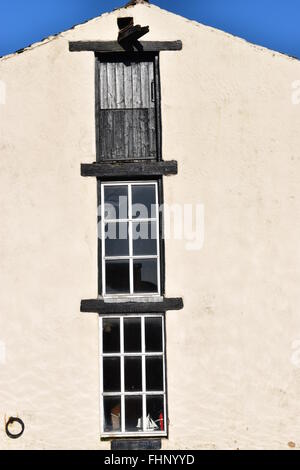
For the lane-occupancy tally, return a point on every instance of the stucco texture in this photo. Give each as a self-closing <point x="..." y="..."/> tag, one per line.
<point x="228" y="118"/>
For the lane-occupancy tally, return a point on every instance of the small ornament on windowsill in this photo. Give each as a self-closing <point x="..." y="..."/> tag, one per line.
<point x="150" y="424"/>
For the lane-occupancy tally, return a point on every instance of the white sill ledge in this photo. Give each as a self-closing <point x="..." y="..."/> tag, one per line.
<point x="133" y="434"/>
<point x="125" y="298"/>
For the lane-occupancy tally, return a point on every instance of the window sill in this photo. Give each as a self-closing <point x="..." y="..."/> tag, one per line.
<point x="133" y="434"/>
<point x="148" y="443"/>
<point x="128" y="170"/>
<point x="127" y="298"/>
<point x="133" y="306"/>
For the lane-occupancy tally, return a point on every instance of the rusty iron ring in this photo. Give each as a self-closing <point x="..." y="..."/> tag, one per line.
<point x="11" y="421"/>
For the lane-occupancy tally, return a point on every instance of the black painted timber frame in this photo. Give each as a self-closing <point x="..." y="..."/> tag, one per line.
<point x="129" y="170"/>
<point x="115" y="46"/>
<point x="153" y="169"/>
<point x="113" y="308"/>
<point x="136" y="444"/>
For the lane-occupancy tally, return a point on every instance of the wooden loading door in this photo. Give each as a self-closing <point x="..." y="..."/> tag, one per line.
<point x="126" y="109"/>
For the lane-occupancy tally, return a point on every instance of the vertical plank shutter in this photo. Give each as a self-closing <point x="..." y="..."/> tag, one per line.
<point x="127" y="125"/>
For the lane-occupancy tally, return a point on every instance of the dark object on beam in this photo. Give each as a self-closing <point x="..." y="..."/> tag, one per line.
<point x="132" y="34"/>
<point x="101" y="307"/>
<point x="115" y="46"/>
<point x="129" y="33"/>
<point x="115" y="170"/>
<point x="124" y="22"/>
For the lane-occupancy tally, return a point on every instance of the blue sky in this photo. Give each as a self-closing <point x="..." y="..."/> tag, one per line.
<point x="271" y="23"/>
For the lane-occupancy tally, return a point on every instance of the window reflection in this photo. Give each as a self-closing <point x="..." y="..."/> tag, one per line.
<point x="116" y="239"/>
<point x="144" y="238"/>
<point x="155" y="413"/>
<point x="133" y="374"/>
<point x="143" y="201"/>
<point x="154" y="373"/>
<point x="117" y="277"/>
<point x="132" y="335"/>
<point x="116" y="202"/>
<point x="112" y="414"/>
<point x="145" y="275"/>
<point x="133" y="413"/>
<point x="111" y="335"/>
<point x="111" y="374"/>
<point x="153" y="334"/>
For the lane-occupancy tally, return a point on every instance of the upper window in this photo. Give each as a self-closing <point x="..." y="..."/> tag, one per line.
<point x="126" y="108"/>
<point x="130" y="238"/>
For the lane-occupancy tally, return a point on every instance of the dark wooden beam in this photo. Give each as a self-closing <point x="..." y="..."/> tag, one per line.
<point x="136" y="444"/>
<point x="126" y="169"/>
<point x="101" y="307"/>
<point x="115" y="46"/>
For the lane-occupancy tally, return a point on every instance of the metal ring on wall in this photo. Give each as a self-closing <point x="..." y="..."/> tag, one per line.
<point x="13" y="420"/>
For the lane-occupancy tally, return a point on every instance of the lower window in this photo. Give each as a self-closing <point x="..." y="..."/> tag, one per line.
<point x="133" y="392"/>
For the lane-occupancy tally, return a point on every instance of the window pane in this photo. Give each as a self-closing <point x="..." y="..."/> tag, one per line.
<point x="132" y="335"/>
<point x="145" y="275"/>
<point x="143" y="201"/>
<point x="116" y="239"/>
<point x="155" y="413"/>
<point x="111" y="374"/>
<point x="116" y="202"/>
<point x="144" y="238"/>
<point x="153" y="334"/>
<point x="112" y="414"/>
<point x="111" y="335"/>
<point x="117" y="277"/>
<point x="133" y="374"/>
<point x="154" y="373"/>
<point x="133" y="414"/>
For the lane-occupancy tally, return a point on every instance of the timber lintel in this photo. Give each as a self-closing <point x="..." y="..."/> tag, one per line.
<point x="115" y="46"/>
<point x="102" y="307"/>
<point x="128" y="170"/>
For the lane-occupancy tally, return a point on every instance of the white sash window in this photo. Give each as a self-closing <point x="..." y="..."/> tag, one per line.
<point x="133" y="390"/>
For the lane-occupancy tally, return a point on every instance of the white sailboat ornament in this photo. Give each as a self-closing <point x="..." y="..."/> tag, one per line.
<point x="150" y="424"/>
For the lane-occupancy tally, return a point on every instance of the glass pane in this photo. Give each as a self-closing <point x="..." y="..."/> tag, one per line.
<point x="154" y="373"/>
<point x="116" y="202"/>
<point x="116" y="239"/>
<point x="153" y="334"/>
<point x="132" y="335"/>
<point x="143" y="201"/>
<point x="133" y="414"/>
<point x="117" y="277"/>
<point x="111" y="374"/>
<point x="144" y="238"/>
<point x="145" y="275"/>
<point x="111" y="335"/>
<point x="155" y="413"/>
<point x="112" y="414"/>
<point x="133" y="374"/>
